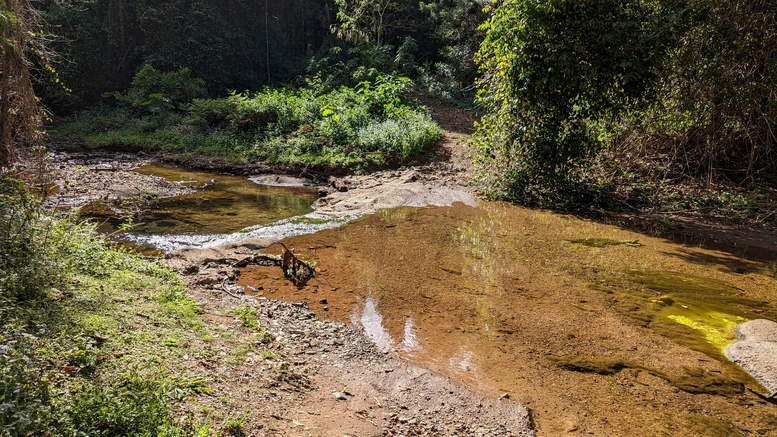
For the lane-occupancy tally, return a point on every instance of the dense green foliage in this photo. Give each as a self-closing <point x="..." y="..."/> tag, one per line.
<point x="238" y="45"/>
<point x="690" y="83"/>
<point x="554" y="72"/>
<point x="67" y="306"/>
<point x="369" y="124"/>
<point x="455" y="24"/>
<point x="432" y="41"/>
<point x="716" y="109"/>
<point x="154" y="92"/>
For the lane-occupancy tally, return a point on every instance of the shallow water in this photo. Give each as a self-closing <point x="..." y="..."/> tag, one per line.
<point x="219" y="206"/>
<point x="225" y="204"/>
<point x="593" y="337"/>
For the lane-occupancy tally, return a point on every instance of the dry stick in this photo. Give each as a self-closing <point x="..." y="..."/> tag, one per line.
<point x="226" y="290"/>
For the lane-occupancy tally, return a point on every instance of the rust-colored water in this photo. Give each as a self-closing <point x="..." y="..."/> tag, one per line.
<point x="609" y="339"/>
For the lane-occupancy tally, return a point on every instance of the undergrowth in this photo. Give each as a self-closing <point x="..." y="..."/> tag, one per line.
<point x="369" y="124"/>
<point x="81" y="329"/>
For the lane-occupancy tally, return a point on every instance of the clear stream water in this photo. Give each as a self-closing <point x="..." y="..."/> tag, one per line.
<point x="595" y="328"/>
<point x="222" y="208"/>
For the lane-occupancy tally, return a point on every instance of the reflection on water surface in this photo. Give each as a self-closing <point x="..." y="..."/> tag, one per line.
<point x="501" y="297"/>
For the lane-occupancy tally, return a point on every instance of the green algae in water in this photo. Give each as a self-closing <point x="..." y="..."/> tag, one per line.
<point x="680" y="283"/>
<point x="713" y="427"/>
<point x="691" y="380"/>
<point x="304" y="220"/>
<point x="605" y="242"/>
<point x="698" y="312"/>
<point x="719" y="295"/>
<point x="716" y="327"/>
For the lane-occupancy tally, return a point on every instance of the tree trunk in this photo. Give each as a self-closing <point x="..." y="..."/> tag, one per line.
<point x="20" y="116"/>
<point x="7" y="154"/>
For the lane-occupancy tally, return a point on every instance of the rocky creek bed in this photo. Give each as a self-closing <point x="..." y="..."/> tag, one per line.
<point x="597" y="329"/>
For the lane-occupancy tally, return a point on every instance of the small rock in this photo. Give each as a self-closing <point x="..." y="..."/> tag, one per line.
<point x="340" y="396"/>
<point x="323" y="301"/>
<point x="504" y="396"/>
<point x="191" y="270"/>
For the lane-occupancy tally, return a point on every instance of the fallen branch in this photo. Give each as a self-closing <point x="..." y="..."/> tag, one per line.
<point x="225" y="288"/>
<point x="294" y="269"/>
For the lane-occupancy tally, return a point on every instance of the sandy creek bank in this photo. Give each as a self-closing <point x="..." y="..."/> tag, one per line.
<point x="597" y="329"/>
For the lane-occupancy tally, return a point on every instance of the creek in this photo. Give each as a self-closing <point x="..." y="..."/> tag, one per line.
<point x="593" y="327"/>
<point x="596" y="328"/>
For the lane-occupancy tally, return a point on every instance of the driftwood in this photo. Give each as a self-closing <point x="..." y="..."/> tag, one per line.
<point x="295" y="270"/>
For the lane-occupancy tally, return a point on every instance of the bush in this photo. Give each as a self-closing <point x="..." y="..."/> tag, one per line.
<point x="717" y="105"/>
<point x="315" y="125"/>
<point x="552" y="73"/>
<point x="153" y="91"/>
<point x="30" y="262"/>
<point x="667" y="89"/>
<point x="404" y="137"/>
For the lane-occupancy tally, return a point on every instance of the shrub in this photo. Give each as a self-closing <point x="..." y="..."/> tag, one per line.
<point x="134" y="405"/>
<point x="550" y="69"/>
<point x="403" y="137"/>
<point x="25" y="397"/>
<point x="153" y="91"/>
<point x="337" y="127"/>
<point x="717" y="105"/>
<point x="29" y="263"/>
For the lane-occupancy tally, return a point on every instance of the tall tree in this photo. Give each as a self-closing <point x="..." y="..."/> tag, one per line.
<point x="20" y="114"/>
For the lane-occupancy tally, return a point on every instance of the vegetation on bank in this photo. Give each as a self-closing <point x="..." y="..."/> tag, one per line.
<point x="370" y="124"/>
<point x="583" y="99"/>
<point x="93" y="339"/>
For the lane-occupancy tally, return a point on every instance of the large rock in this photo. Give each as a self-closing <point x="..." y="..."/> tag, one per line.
<point x="756" y="351"/>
